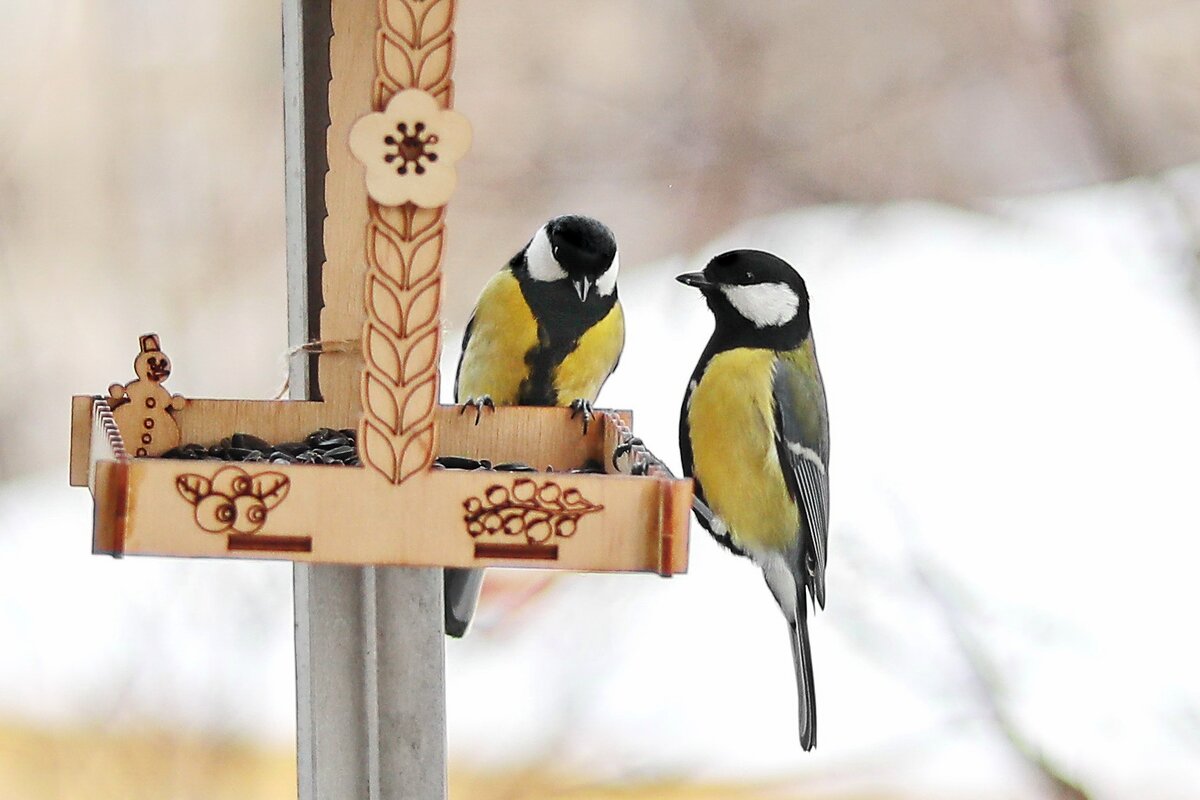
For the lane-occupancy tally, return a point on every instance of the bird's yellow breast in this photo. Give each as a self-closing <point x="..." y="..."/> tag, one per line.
<point x="584" y="370"/>
<point x="502" y="332"/>
<point x="731" y="425"/>
<point x="504" y="337"/>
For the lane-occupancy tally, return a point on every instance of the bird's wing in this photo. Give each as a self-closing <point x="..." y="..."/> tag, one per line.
<point x="802" y="445"/>
<point x="462" y="355"/>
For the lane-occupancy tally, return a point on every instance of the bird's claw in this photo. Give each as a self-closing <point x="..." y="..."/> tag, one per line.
<point x="625" y="448"/>
<point x="584" y="407"/>
<point x="478" y="403"/>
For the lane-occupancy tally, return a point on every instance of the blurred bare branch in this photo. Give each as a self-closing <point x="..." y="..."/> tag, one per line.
<point x="990" y="687"/>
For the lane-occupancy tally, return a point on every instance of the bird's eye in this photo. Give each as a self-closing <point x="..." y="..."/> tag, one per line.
<point x="749" y="276"/>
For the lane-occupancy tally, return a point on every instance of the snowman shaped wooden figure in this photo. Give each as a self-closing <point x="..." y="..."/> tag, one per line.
<point x="142" y="407"/>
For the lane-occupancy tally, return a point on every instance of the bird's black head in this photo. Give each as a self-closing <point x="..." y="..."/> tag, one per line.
<point x="756" y="298"/>
<point x="577" y="249"/>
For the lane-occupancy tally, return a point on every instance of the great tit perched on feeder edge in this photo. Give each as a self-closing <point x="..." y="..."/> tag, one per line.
<point x="754" y="436"/>
<point x="547" y="330"/>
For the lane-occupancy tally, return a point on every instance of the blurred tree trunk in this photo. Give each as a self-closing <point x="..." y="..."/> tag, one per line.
<point x="1136" y="135"/>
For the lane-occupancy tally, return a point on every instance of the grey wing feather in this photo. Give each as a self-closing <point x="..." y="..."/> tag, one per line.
<point x="802" y="445"/>
<point x="463" y="355"/>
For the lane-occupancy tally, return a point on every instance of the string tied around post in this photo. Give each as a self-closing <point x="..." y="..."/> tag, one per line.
<point x="319" y="346"/>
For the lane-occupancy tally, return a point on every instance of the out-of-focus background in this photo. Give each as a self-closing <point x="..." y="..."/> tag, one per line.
<point x="996" y="206"/>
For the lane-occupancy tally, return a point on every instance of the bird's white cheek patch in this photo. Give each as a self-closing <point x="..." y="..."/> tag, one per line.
<point x="606" y="284"/>
<point x="764" y="304"/>
<point x="539" y="256"/>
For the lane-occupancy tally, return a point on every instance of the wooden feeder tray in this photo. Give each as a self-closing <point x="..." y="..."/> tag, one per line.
<point x="576" y="521"/>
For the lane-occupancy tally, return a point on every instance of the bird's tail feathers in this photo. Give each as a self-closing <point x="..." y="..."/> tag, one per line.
<point x="462" y="587"/>
<point x="806" y="692"/>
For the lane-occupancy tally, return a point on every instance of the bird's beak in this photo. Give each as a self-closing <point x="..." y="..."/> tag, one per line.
<point x="695" y="279"/>
<point x="582" y="287"/>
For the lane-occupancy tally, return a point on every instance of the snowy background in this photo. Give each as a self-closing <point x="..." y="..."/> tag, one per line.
<point x="1013" y="398"/>
<point x="1002" y="260"/>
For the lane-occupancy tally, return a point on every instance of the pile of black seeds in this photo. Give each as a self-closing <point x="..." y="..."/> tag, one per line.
<point x="591" y="466"/>
<point x="328" y="446"/>
<point x="324" y="446"/>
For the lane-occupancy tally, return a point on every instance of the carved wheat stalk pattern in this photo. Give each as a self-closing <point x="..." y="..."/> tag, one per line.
<point x="414" y="49"/>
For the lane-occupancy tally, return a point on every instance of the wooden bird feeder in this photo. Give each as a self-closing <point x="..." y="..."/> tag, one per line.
<point x="391" y="143"/>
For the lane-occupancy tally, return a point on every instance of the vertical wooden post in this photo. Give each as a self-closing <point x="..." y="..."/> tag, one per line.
<point x="370" y="661"/>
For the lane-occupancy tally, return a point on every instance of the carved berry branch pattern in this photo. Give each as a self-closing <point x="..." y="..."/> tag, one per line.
<point x="232" y="499"/>
<point x="537" y="512"/>
<point x="401" y="335"/>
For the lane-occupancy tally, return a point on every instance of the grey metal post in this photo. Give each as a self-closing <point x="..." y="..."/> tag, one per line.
<point x="370" y="660"/>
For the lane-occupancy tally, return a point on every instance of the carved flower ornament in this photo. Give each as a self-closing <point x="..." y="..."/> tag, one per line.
<point x="409" y="150"/>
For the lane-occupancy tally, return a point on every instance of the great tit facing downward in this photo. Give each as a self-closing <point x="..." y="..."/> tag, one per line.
<point x="754" y="437"/>
<point x="547" y="330"/>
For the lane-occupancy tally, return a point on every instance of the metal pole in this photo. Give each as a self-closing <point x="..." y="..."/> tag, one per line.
<point x="370" y="659"/>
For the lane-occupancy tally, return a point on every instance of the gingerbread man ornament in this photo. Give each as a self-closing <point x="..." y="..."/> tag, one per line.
<point x="142" y="408"/>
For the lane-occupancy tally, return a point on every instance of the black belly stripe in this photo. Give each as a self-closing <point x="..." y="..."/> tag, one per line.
<point x="562" y="321"/>
<point x="538" y="387"/>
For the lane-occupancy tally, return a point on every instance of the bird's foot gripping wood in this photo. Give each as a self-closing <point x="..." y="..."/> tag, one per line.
<point x="478" y="403"/>
<point x="633" y="447"/>
<point x="580" y="407"/>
